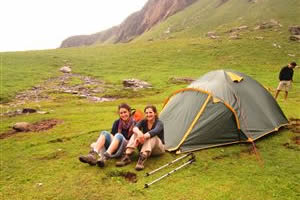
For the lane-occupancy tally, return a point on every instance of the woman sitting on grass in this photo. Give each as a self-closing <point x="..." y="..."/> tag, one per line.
<point x="148" y="134"/>
<point x="112" y="145"/>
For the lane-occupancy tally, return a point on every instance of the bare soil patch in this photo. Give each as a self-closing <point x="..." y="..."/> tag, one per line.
<point x="36" y="127"/>
<point x="129" y="176"/>
<point x="45" y="125"/>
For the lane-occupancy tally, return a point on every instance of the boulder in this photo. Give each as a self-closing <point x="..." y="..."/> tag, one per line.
<point x="180" y="80"/>
<point x="65" y="69"/>
<point x="295" y="37"/>
<point x="294" y="30"/>
<point x="22" y="126"/>
<point x="211" y="33"/>
<point x="269" y="24"/>
<point x="240" y="28"/>
<point x="214" y="37"/>
<point x="28" y="110"/>
<point x="234" y="37"/>
<point x="135" y="83"/>
<point x="259" y="37"/>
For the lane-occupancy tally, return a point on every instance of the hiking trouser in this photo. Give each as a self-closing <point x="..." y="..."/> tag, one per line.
<point x="151" y="146"/>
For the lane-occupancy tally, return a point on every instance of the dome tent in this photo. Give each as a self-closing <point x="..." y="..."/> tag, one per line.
<point x="222" y="107"/>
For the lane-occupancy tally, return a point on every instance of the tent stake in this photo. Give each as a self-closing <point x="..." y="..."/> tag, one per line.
<point x="191" y="160"/>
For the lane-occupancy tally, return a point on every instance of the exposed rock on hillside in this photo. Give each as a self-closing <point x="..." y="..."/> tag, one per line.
<point x="75" y="84"/>
<point x="181" y="80"/>
<point x="212" y="35"/>
<point x="221" y="3"/>
<point x="295" y="37"/>
<point x="136" y="84"/>
<point x="137" y="23"/>
<point x="269" y="24"/>
<point x="236" y="29"/>
<point x="295" y="31"/>
<point x="65" y="69"/>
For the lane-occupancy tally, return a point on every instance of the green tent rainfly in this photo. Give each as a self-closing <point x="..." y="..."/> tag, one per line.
<point x="222" y="107"/>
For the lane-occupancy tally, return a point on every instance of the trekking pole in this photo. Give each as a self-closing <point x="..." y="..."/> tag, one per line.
<point x="168" y="164"/>
<point x="191" y="160"/>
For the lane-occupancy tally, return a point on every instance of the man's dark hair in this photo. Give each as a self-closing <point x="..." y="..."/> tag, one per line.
<point x="294" y="64"/>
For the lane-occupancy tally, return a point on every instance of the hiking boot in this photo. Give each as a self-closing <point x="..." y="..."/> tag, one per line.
<point x="140" y="164"/>
<point x="125" y="160"/>
<point x="91" y="158"/>
<point x="101" y="161"/>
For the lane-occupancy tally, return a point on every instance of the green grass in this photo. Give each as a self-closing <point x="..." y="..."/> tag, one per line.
<point x="231" y="172"/>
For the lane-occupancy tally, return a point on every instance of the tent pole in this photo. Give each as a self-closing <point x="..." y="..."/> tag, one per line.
<point x="191" y="160"/>
<point x="168" y="164"/>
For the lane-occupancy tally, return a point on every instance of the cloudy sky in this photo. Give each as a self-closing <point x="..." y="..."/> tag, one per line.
<point x="44" y="24"/>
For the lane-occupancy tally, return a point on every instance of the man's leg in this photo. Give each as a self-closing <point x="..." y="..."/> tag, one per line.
<point x="286" y="95"/>
<point x="287" y="88"/>
<point x="276" y="94"/>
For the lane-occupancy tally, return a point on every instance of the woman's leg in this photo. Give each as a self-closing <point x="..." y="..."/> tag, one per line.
<point x="132" y="145"/>
<point x="104" y="140"/>
<point x="117" y="140"/>
<point x="151" y="146"/>
<point x="130" y="148"/>
<point x="97" y="148"/>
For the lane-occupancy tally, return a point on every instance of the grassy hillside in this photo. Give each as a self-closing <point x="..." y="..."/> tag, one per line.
<point x="212" y="15"/>
<point x="44" y="165"/>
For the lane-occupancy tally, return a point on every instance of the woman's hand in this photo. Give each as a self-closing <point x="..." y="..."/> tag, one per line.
<point x="140" y="138"/>
<point x="147" y="136"/>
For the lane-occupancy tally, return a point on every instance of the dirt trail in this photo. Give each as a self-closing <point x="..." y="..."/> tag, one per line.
<point x="74" y="84"/>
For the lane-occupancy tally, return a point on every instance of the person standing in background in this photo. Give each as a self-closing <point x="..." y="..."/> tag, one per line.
<point x="285" y="78"/>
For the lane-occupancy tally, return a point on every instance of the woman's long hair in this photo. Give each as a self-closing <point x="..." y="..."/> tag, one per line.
<point x="126" y="125"/>
<point x="154" y="110"/>
<point x="125" y="106"/>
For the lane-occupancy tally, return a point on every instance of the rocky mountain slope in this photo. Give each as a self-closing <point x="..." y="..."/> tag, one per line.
<point x="136" y="24"/>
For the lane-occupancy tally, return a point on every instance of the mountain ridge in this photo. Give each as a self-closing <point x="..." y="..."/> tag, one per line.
<point x="134" y="25"/>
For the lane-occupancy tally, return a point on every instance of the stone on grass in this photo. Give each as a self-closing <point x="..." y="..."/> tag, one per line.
<point x="294" y="30"/>
<point x="65" y="69"/>
<point x="295" y="37"/>
<point x="136" y="84"/>
<point x="22" y="126"/>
